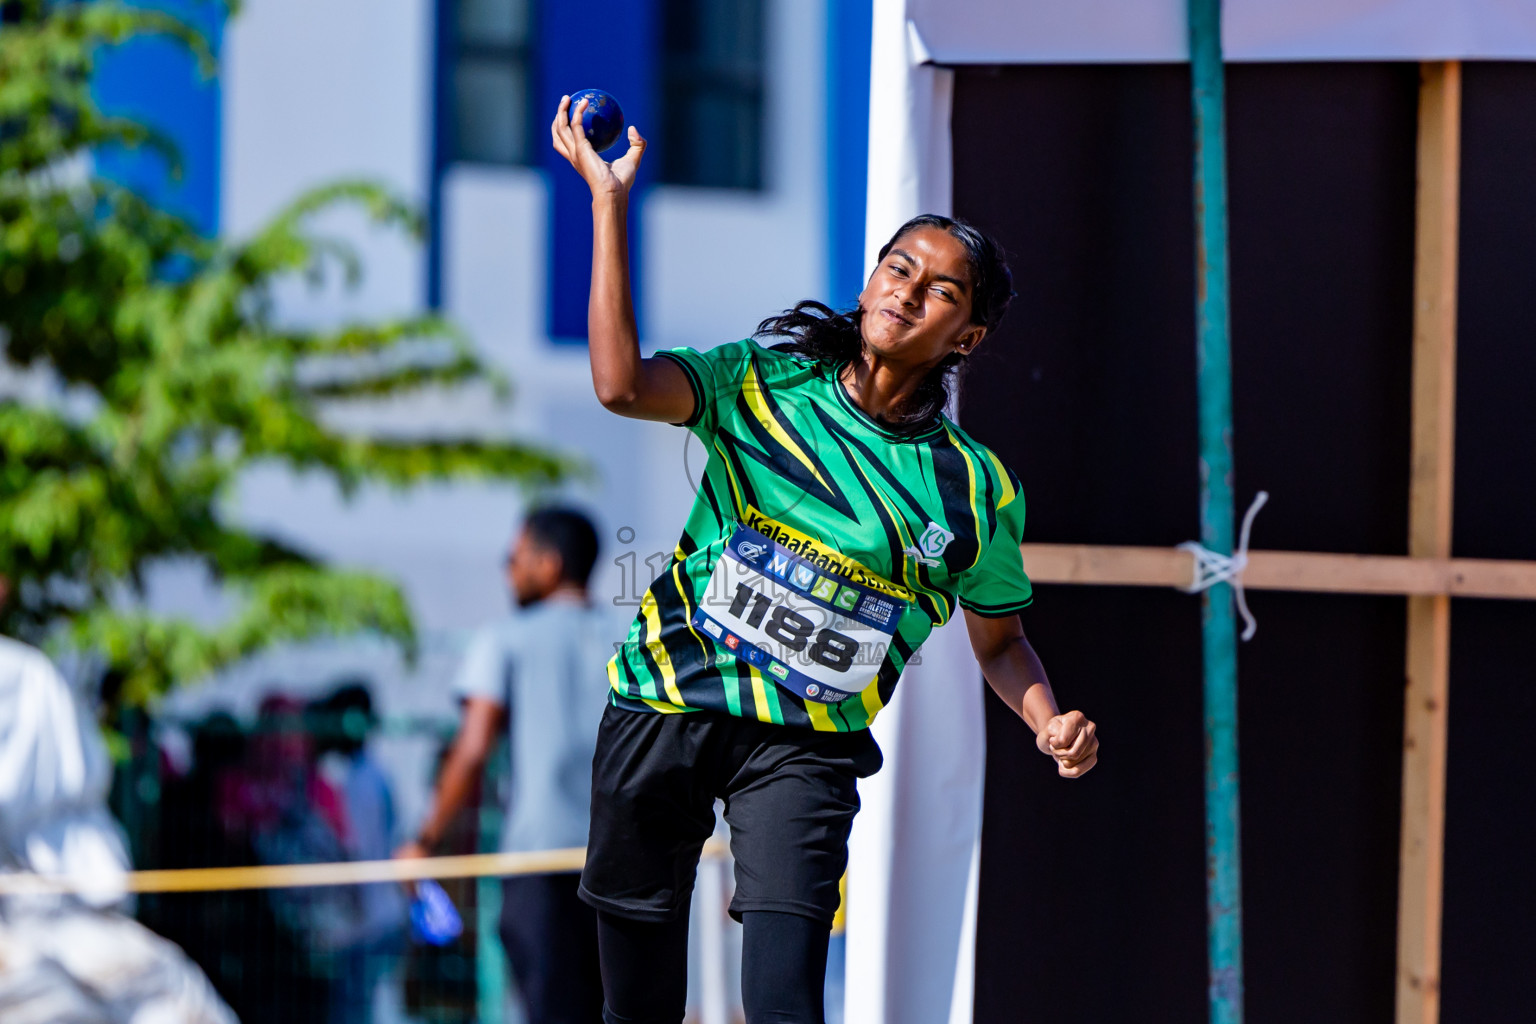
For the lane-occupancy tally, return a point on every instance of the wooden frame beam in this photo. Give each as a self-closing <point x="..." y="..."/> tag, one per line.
<point x="1429" y="536"/>
<point x="1286" y="570"/>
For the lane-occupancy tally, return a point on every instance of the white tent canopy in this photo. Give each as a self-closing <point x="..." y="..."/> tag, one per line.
<point x="912" y="883"/>
<point x="1143" y="31"/>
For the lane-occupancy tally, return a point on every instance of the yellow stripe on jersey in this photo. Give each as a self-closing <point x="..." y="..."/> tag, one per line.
<point x="970" y="471"/>
<point x="663" y="707"/>
<point x="616" y="683"/>
<point x="870" y="695"/>
<point x="677" y="581"/>
<point x="658" y="650"/>
<point x="821" y="718"/>
<point x="759" y="693"/>
<point x="1002" y="477"/>
<point x="775" y="711"/>
<point x="945" y="608"/>
<point x="752" y="391"/>
<point x="840" y="919"/>
<point x="730" y="475"/>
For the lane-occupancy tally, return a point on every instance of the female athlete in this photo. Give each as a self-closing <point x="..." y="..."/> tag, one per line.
<point x="841" y="517"/>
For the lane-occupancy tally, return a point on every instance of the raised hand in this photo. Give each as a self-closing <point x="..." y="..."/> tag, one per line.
<point x="1071" y="739"/>
<point x="602" y="177"/>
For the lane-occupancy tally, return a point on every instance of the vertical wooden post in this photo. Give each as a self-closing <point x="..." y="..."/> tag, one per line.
<point x="1429" y="535"/>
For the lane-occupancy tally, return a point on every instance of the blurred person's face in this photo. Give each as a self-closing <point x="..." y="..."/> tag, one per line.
<point x="917" y="304"/>
<point x="533" y="570"/>
<point x="282" y="747"/>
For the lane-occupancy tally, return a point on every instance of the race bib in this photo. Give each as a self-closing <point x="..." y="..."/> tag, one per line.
<point x="817" y="624"/>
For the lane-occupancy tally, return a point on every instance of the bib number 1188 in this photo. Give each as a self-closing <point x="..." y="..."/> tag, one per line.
<point x="830" y="648"/>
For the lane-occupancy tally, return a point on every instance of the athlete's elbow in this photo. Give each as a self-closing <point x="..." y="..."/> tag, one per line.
<point x="619" y="398"/>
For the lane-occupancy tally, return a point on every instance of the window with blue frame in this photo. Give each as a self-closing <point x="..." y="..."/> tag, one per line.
<point x="712" y="93"/>
<point x="488" y="51"/>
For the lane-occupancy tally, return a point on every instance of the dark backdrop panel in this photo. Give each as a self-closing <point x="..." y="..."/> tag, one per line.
<point x="1490" y="888"/>
<point x="1321" y="713"/>
<point x="1088" y="392"/>
<point x="1092" y="893"/>
<point x="1321" y="160"/>
<point x="1089" y="385"/>
<point x="1092" y="899"/>
<point x="1496" y="330"/>
<point x="1490" y="825"/>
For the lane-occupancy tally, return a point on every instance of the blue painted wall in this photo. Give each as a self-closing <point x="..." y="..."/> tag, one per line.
<point x="614" y="45"/>
<point x="603" y="44"/>
<point x="848" y="46"/>
<point x="155" y="81"/>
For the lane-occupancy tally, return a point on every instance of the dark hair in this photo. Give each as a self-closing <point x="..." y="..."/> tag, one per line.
<point x="832" y="338"/>
<point x="342" y="720"/>
<point x="570" y="535"/>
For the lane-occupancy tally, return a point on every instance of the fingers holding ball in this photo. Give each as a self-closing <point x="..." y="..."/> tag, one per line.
<point x="600" y="116"/>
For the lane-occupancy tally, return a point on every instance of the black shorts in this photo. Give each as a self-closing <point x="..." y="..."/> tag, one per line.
<point x="790" y="796"/>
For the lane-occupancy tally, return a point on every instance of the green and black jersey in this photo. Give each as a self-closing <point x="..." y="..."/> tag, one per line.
<point x="821" y="551"/>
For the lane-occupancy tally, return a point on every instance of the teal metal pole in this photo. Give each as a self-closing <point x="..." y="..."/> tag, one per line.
<point x="490" y="956"/>
<point x="492" y="977"/>
<point x="1224" y="891"/>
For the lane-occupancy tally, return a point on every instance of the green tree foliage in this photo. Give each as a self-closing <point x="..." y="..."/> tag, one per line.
<point x="167" y="374"/>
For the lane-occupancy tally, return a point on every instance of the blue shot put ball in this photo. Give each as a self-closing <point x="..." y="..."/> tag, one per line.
<point x="602" y="121"/>
<point x="434" y="919"/>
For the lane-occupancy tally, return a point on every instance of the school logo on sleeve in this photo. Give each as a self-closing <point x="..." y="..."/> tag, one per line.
<point x="931" y="544"/>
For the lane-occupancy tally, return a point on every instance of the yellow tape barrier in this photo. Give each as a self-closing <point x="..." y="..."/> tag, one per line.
<point x="291" y="876"/>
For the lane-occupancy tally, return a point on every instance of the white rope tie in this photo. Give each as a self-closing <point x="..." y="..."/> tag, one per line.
<point x="1212" y="567"/>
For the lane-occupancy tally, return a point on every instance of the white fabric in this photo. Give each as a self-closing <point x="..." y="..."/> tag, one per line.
<point x="911" y="892"/>
<point x="66" y="959"/>
<point x="909" y="151"/>
<point x="914" y="847"/>
<point x="1261" y="30"/>
<point x="75" y="965"/>
<point x="1136" y="31"/>
<point x="54" y="775"/>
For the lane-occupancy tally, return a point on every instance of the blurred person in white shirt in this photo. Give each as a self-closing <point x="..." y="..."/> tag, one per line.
<point x="541" y="676"/>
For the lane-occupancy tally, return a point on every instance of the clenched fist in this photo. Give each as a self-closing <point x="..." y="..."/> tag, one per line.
<point x="1070" y="739"/>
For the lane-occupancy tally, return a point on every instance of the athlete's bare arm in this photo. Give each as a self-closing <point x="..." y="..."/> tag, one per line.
<point x="479" y="729"/>
<point x="1014" y="672"/>
<point x="646" y="389"/>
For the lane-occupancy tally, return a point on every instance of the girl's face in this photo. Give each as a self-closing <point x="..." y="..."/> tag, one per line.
<point x="917" y="304"/>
